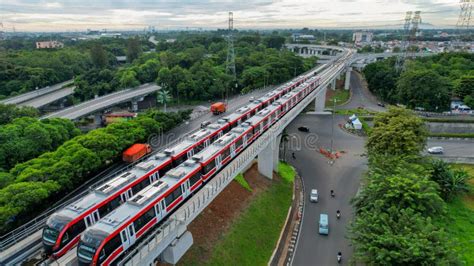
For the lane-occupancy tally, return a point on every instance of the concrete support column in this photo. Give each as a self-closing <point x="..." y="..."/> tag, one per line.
<point x="348" y="78"/>
<point x="134" y="105"/>
<point x="268" y="158"/>
<point x="320" y="101"/>
<point x="333" y="84"/>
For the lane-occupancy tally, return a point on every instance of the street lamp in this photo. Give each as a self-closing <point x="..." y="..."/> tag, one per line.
<point x="332" y="124"/>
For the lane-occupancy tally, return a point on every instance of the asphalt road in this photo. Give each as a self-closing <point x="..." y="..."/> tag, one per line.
<point x="361" y="97"/>
<point x="343" y="176"/>
<point x="36" y="93"/>
<point x="453" y="148"/>
<point x="48" y="98"/>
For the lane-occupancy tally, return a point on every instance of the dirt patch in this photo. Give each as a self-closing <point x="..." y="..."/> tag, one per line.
<point x="212" y="224"/>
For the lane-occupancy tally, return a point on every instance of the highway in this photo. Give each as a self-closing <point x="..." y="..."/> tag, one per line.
<point x="103" y="102"/>
<point x="343" y="177"/>
<point x="45" y="96"/>
<point x="453" y="148"/>
<point x="360" y="96"/>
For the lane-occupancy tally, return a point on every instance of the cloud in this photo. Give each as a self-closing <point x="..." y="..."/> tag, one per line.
<point x="38" y="15"/>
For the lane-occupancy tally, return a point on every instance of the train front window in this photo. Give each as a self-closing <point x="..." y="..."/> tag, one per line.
<point x="90" y="241"/>
<point x="50" y="235"/>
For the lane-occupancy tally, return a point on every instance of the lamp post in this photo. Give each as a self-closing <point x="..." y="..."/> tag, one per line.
<point x="332" y="123"/>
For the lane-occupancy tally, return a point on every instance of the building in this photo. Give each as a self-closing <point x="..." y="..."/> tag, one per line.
<point x="299" y="36"/>
<point x="49" y="45"/>
<point x="362" y="37"/>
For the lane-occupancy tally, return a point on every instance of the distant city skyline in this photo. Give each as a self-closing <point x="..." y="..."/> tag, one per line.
<point x="75" y="15"/>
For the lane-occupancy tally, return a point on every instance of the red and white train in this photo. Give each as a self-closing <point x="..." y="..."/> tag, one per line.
<point x="106" y="240"/>
<point x="63" y="228"/>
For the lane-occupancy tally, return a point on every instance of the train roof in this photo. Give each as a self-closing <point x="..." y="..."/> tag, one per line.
<point x="199" y="135"/>
<point x="215" y="147"/>
<point x="141" y="200"/>
<point x="102" y="192"/>
<point x="218" y="125"/>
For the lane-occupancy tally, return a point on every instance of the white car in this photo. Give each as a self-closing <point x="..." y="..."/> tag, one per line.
<point x="436" y="150"/>
<point x="313" y="197"/>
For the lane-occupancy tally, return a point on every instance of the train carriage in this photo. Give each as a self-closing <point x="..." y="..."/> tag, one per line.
<point x="106" y="240"/>
<point x="63" y="228"/>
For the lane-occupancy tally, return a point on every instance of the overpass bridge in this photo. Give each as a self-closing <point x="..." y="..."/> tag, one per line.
<point x="171" y="239"/>
<point x="129" y="95"/>
<point x="42" y="97"/>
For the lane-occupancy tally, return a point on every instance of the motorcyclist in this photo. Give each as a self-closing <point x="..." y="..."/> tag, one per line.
<point x="332" y="193"/>
<point x="339" y="257"/>
<point x="338" y="214"/>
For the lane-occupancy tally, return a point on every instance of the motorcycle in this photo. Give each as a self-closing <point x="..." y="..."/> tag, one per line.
<point x="338" y="214"/>
<point x="339" y="257"/>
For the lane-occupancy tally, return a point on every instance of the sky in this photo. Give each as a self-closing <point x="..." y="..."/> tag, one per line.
<point x="79" y="15"/>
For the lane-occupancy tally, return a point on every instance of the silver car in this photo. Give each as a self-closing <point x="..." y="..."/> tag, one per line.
<point x="313" y="197"/>
<point x="436" y="150"/>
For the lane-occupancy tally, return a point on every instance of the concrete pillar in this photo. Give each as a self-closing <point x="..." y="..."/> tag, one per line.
<point x="134" y="105"/>
<point x="268" y="158"/>
<point x="333" y="84"/>
<point x="348" y="78"/>
<point x="320" y="101"/>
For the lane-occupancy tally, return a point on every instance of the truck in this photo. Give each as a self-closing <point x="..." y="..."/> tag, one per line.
<point x="218" y="108"/>
<point x="135" y="152"/>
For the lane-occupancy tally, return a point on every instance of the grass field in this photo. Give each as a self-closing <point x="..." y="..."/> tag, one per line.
<point x="341" y="95"/>
<point x="459" y="221"/>
<point x="241" y="180"/>
<point x="252" y="238"/>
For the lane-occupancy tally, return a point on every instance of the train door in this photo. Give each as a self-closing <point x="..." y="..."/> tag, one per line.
<point x="159" y="210"/>
<point x="232" y="150"/>
<point x="131" y="234"/>
<point x="244" y="141"/>
<point x="125" y="239"/>
<point x="185" y="189"/>
<point x="92" y="218"/>
<point x="126" y="195"/>
<point x="190" y="153"/>
<point x="154" y="177"/>
<point x="218" y="162"/>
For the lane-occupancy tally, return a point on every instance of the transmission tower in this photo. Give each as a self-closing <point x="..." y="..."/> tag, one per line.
<point x="230" y="62"/>
<point x="406" y="27"/>
<point x="415" y="22"/>
<point x="465" y="16"/>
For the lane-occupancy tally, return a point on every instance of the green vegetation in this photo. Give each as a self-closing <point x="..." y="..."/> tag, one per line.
<point x="8" y="112"/>
<point x="31" y="186"/>
<point x="253" y="236"/>
<point x="358" y="112"/>
<point x="26" y="137"/>
<point x="459" y="219"/>
<point x="341" y="96"/>
<point x="404" y="198"/>
<point x="427" y="82"/>
<point x="23" y="71"/>
<point x="241" y="180"/>
<point x="397" y="132"/>
<point x="452" y="135"/>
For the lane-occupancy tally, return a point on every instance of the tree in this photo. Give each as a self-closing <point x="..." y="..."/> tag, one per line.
<point x="98" y="56"/>
<point x="163" y="97"/>
<point x="465" y="87"/>
<point x="8" y="112"/>
<point x="397" y="132"/>
<point x="451" y="182"/>
<point x="128" y="79"/>
<point x="134" y="49"/>
<point x="397" y="236"/>
<point x="274" y="41"/>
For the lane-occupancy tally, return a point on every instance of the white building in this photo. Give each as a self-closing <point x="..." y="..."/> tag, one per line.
<point x="362" y="37"/>
<point x="49" y="45"/>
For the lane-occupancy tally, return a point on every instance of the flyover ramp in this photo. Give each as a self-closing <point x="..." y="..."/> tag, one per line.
<point x="103" y="102"/>
<point x="23" y="99"/>
<point x="48" y="98"/>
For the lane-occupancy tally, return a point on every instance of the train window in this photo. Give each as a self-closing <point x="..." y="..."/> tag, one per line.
<point x="264" y="123"/>
<point x="78" y="227"/>
<point x="88" y="221"/>
<point x="238" y="143"/>
<point x="165" y="169"/>
<point x="173" y="196"/>
<point x="209" y="166"/>
<point x="226" y="129"/>
<point x="112" y="245"/>
<point x="199" y="147"/>
<point x="225" y="153"/>
<point x="140" y="185"/>
<point x="213" y="138"/>
<point x="65" y="238"/>
<point x="179" y="160"/>
<point x="144" y="219"/>
<point x="194" y="179"/>
<point x="249" y="135"/>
